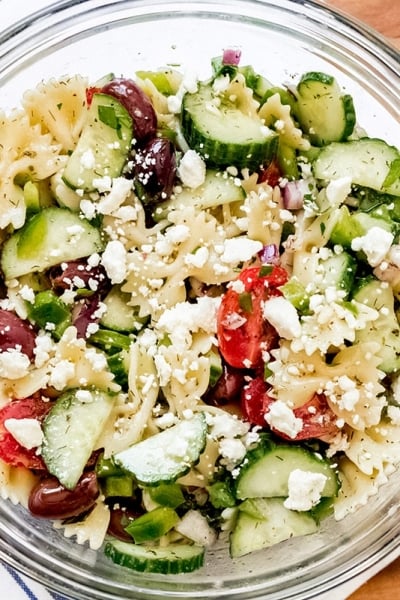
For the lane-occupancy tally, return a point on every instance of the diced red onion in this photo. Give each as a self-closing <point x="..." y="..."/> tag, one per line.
<point x="269" y="255"/>
<point x="231" y="56"/>
<point x="293" y="195"/>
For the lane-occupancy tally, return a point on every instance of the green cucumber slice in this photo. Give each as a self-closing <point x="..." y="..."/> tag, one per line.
<point x="319" y="273"/>
<point x="52" y="236"/>
<point x="218" y="189"/>
<point x="164" y="457"/>
<point x="263" y="522"/>
<point x="119" y="314"/>
<point x="173" y="559"/>
<point x="223" y="134"/>
<point x="103" y="146"/>
<point x="323" y="111"/>
<point x="385" y="330"/>
<point x="71" y="430"/>
<point x="265" y="471"/>
<point x="369" y="162"/>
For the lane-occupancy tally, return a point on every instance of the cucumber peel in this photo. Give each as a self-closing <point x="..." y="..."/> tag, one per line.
<point x="278" y="461"/>
<point x="103" y="146"/>
<point x="71" y="429"/>
<point x="368" y="162"/>
<point x="264" y="522"/>
<point x="164" y="457"/>
<point x="224" y="135"/>
<point x="323" y="111"/>
<point x="52" y="236"/>
<point x="172" y="559"/>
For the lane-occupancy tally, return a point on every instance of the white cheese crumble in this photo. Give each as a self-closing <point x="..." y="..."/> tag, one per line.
<point x="120" y="190"/>
<point x="192" y="169"/>
<point x="13" y="364"/>
<point x="26" y="432"/>
<point x="305" y="489"/>
<point x="114" y="260"/>
<point x="375" y="244"/>
<point x="84" y="396"/>
<point x="239" y="249"/>
<point x="282" y="418"/>
<point x="283" y="316"/>
<point x="198" y="259"/>
<point x="62" y="372"/>
<point x="88" y="160"/>
<point x="337" y="190"/>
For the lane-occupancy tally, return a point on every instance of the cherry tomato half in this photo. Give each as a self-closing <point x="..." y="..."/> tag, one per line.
<point x="271" y="174"/>
<point x="319" y="421"/>
<point x="243" y="333"/>
<point x="11" y="451"/>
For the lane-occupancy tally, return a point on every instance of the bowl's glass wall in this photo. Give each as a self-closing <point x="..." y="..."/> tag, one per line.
<point x="281" y="39"/>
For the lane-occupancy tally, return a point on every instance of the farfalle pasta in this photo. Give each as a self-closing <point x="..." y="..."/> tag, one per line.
<point x="194" y="290"/>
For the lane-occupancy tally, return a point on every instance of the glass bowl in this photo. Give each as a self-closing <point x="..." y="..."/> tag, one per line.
<point x="280" y="38"/>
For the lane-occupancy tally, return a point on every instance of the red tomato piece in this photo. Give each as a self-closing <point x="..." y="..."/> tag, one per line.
<point x="90" y="91"/>
<point x="271" y="174"/>
<point x="255" y="401"/>
<point x="243" y="333"/>
<point x="11" y="451"/>
<point x="319" y="420"/>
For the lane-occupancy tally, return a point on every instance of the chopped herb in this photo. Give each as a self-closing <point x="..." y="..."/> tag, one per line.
<point x="246" y="302"/>
<point x="265" y="270"/>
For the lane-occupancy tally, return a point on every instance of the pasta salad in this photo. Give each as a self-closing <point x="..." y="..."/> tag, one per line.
<point x="199" y="333"/>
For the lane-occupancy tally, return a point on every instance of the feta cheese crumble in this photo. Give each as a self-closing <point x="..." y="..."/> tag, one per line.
<point x="192" y="169"/>
<point x="282" y="418"/>
<point x="375" y="244"/>
<point x="26" y="432"/>
<point x="283" y="316"/>
<point x="305" y="489"/>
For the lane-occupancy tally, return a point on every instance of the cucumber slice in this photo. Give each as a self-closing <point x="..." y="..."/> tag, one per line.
<point x="336" y="270"/>
<point x="164" y="457"/>
<point x="265" y="471"/>
<point x="368" y="162"/>
<point x="71" y="430"/>
<point x="322" y="110"/>
<point x="350" y="225"/>
<point x="173" y="559"/>
<point x="385" y="329"/>
<point x="119" y="315"/>
<point x="263" y="522"/>
<point x="52" y="236"/>
<point x="223" y="134"/>
<point x="103" y="146"/>
<point x="218" y="189"/>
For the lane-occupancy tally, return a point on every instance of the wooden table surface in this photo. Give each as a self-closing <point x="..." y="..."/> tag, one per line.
<point x="384" y="16"/>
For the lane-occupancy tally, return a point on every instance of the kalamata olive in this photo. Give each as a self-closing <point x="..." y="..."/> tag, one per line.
<point x="86" y="313"/>
<point x="137" y="103"/>
<point x="15" y="333"/>
<point x="3" y="288"/>
<point x="155" y="169"/>
<point x="50" y="500"/>
<point x="79" y="274"/>
<point x="121" y="514"/>
<point x="228" y="387"/>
